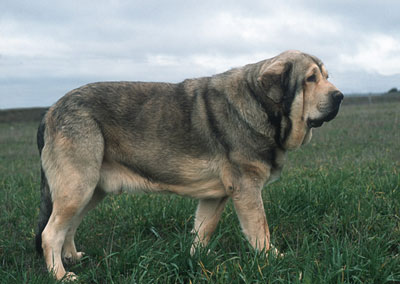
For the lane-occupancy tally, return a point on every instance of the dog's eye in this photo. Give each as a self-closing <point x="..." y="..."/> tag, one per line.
<point x="312" y="78"/>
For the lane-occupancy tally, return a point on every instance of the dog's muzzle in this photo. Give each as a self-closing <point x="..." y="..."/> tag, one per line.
<point x="336" y="100"/>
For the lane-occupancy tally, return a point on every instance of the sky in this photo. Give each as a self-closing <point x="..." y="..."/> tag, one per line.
<point x="50" y="47"/>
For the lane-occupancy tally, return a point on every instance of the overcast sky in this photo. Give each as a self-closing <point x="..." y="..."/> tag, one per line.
<point x="50" y="47"/>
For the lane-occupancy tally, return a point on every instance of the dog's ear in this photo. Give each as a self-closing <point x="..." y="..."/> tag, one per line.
<point x="274" y="79"/>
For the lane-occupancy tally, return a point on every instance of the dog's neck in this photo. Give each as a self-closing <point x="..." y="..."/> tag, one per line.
<point x="289" y="133"/>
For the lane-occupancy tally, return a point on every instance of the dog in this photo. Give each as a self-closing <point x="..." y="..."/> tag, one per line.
<point x="210" y="138"/>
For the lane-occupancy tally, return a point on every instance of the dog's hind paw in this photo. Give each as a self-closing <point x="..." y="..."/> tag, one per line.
<point x="69" y="277"/>
<point x="79" y="255"/>
<point x="73" y="257"/>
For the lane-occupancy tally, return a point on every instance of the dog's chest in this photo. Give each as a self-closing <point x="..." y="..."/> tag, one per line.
<point x="275" y="175"/>
<point x="276" y="168"/>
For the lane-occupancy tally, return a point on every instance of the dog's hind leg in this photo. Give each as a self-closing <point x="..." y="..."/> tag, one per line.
<point x="69" y="252"/>
<point x="68" y="204"/>
<point x="71" y="164"/>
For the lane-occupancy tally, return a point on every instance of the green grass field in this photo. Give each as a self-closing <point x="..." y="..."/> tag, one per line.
<point x="335" y="214"/>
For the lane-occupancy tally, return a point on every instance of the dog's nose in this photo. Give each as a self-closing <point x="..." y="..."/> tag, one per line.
<point x="337" y="96"/>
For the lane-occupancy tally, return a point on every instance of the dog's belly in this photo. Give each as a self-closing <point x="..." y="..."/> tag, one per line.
<point x="202" y="189"/>
<point x="115" y="178"/>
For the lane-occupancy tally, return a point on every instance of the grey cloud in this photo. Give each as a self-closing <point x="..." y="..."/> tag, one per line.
<point x="51" y="46"/>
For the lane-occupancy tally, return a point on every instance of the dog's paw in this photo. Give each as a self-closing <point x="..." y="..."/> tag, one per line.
<point x="274" y="251"/>
<point x="79" y="255"/>
<point x="195" y="248"/>
<point x="69" y="277"/>
<point x="73" y="257"/>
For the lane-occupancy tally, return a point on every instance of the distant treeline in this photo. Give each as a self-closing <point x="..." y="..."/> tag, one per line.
<point x="35" y="114"/>
<point x="22" y="114"/>
<point x="372" y="99"/>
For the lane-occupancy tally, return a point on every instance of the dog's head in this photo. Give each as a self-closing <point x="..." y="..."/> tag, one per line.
<point x="298" y="84"/>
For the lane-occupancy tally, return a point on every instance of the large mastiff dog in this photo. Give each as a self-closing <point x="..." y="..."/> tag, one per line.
<point x="211" y="138"/>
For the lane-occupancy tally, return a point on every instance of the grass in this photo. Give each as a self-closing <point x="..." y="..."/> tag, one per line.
<point x="335" y="214"/>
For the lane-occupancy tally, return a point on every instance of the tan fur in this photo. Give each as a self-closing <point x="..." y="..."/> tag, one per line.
<point x="300" y="128"/>
<point x="115" y="178"/>
<point x="208" y="213"/>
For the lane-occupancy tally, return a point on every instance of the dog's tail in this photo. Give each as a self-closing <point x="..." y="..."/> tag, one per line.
<point x="46" y="203"/>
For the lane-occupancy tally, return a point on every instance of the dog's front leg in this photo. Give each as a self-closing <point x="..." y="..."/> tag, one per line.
<point x="208" y="214"/>
<point x="250" y="210"/>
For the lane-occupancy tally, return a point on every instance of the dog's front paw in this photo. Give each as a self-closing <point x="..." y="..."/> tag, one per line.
<point x="195" y="248"/>
<point x="274" y="251"/>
